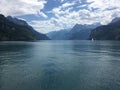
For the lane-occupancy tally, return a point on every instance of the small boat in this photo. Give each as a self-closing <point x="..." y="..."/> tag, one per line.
<point x="92" y="39"/>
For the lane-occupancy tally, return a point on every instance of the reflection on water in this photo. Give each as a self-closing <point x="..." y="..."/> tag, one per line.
<point x="60" y="65"/>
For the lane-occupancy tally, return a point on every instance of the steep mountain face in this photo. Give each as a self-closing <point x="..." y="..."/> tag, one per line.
<point x="107" y="32"/>
<point x="80" y="32"/>
<point x="13" y="29"/>
<point x="58" y="35"/>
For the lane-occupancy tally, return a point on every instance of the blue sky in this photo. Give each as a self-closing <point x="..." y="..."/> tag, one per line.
<point x="51" y="15"/>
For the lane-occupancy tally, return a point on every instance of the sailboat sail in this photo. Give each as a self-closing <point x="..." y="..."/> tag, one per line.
<point x="92" y="39"/>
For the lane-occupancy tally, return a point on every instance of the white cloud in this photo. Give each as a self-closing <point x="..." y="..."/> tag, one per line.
<point x="21" y="7"/>
<point x="104" y="4"/>
<point x="45" y="26"/>
<point x="64" y="9"/>
<point x="65" y="5"/>
<point x="106" y="10"/>
<point x="62" y="0"/>
<point x="102" y="11"/>
<point x="43" y="14"/>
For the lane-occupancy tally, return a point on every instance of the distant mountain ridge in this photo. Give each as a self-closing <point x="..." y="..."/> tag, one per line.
<point x="78" y="32"/>
<point x="93" y="31"/>
<point x="81" y="32"/>
<point x="13" y="29"/>
<point x="58" y="35"/>
<point x="18" y="30"/>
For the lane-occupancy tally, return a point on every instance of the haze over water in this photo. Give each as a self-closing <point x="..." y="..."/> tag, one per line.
<point x="60" y="65"/>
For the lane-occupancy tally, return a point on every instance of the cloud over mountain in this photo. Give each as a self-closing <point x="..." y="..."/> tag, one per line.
<point x="50" y="15"/>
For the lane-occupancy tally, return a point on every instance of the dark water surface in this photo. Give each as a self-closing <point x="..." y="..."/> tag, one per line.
<point x="60" y="65"/>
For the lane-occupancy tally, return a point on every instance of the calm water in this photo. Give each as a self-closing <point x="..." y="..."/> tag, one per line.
<point x="60" y="65"/>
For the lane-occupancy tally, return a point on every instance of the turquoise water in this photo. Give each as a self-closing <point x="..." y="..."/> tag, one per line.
<point x="60" y="65"/>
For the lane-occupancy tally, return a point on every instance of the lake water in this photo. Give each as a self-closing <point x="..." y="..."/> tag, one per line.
<point x="60" y="65"/>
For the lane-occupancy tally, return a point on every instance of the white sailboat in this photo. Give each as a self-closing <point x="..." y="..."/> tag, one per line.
<point x="92" y="39"/>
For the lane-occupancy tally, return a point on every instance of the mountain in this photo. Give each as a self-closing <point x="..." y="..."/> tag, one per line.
<point x="13" y="29"/>
<point x="117" y="19"/>
<point x="78" y="32"/>
<point x="107" y="32"/>
<point x="58" y="35"/>
<point x="81" y="32"/>
<point x="39" y="36"/>
<point x="17" y="21"/>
